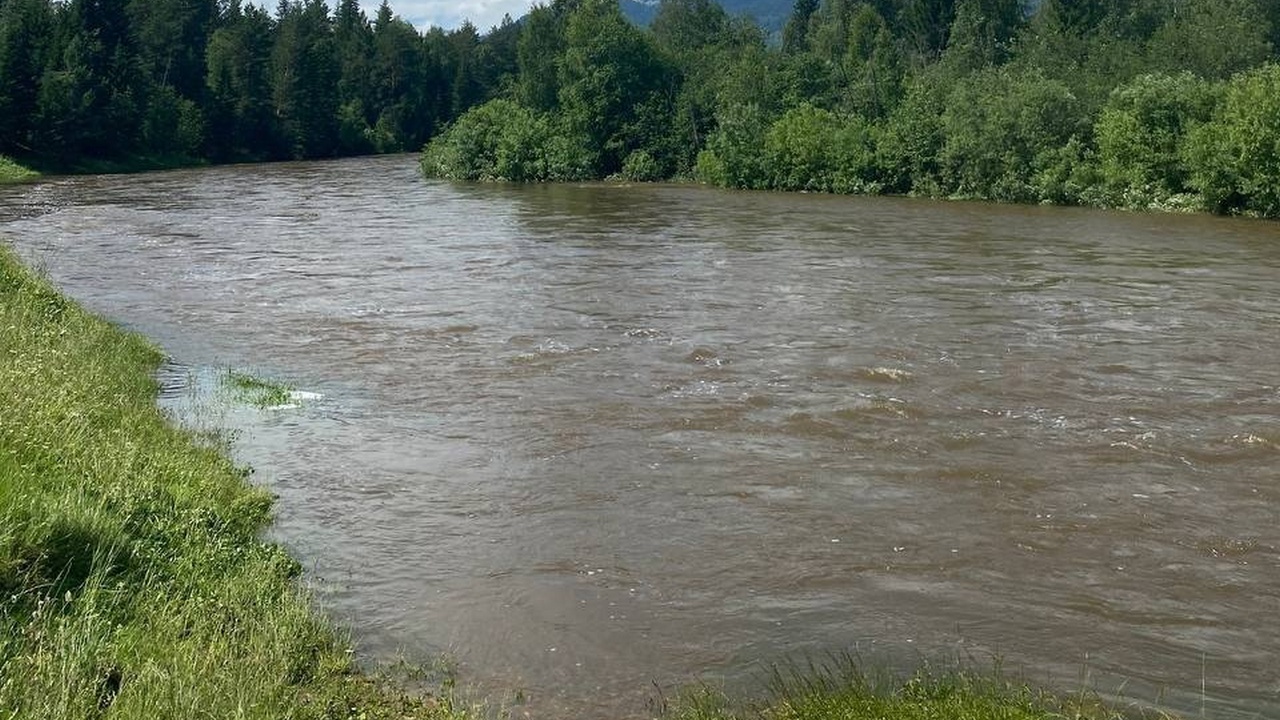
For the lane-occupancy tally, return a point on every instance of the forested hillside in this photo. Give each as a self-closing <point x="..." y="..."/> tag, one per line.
<point x="223" y="80"/>
<point x="1135" y="103"/>
<point x="770" y="15"/>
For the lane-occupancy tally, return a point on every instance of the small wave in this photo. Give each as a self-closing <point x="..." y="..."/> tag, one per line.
<point x="551" y="351"/>
<point x="1250" y="440"/>
<point x="877" y="407"/>
<point x="705" y="356"/>
<point x="886" y="374"/>
<point x="644" y="333"/>
<point x="175" y="380"/>
<point x="701" y="388"/>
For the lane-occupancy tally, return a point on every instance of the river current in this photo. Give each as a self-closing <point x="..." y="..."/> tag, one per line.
<point x="596" y="442"/>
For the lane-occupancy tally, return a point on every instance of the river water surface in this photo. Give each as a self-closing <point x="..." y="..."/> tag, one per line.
<point x="591" y="439"/>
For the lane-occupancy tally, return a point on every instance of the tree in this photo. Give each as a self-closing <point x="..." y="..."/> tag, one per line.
<point x="1212" y="38"/>
<point x="874" y="65"/>
<point x="305" y="70"/>
<point x="353" y="38"/>
<point x="924" y="25"/>
<point x="538" y="51"/>
<point x="463" y="52"/>
<point x="25" y="40"/>
<point x="810" y="148"/>
<point x="90" y="98"/>
<point x="609" y="73"/>
<point x="686" y="26"/>
<point x="171" y="37"/>
<point x="239" y="109"/>
<point x="734" y="156"/>
<point x="407" y="89"/>
<point x="795" y="35"/>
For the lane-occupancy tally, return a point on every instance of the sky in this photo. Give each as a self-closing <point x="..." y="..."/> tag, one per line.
<point x="449" y="14"/>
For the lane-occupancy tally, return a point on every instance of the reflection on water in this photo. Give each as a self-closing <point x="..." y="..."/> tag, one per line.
<point x="590" y="438"/>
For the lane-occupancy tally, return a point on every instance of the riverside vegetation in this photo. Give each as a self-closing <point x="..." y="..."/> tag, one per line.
<point x="1169" y="104"/>
<point x="134" y="583"/>
<point x="12" y="172"/>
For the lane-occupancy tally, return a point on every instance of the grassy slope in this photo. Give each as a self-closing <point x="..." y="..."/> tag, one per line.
<point x="133" y="583"/>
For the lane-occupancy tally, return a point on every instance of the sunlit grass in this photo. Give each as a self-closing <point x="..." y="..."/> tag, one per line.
<point x="11" y="172"/>
<point x="133" y="583"/>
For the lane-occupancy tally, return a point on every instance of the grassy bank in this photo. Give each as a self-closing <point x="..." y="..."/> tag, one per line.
<point x="133" y="583"/>
<point x="12" y="172"/>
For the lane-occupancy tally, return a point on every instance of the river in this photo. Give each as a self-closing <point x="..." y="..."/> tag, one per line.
<point x="590" y="441"/>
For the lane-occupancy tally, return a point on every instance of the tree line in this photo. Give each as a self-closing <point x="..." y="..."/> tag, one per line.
<point x="1129" y="103"/>
<point x="1133" y="103"/>
<point x="222" y="80"/>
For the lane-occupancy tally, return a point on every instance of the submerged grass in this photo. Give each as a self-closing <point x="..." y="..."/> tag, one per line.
<point x="842" y="690"/>
<point x="133" y="581"/>
<point x="257" y="391"/>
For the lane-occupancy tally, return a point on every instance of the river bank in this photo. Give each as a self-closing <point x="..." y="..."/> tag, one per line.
<point x="132" y="578"/>
<point x="133" y="581"/>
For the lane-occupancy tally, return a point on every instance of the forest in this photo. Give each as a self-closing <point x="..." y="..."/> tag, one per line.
<point x="168" y="81"/>
<point x="1161" y="104"/>
<point x="1168" y="104"/>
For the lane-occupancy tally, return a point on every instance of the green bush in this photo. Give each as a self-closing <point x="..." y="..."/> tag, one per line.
<point x="502" y="140"/>
<point x="1235" y="158"/>
<point x="911" y="138"/>
<point x="1140" y="134"/>
<point x="641" y="167"/>
<point x="1002" y="130"/>
<point x="11" y="171"/>
<point x="734" y="156"/>
<point x="810" y="148"/>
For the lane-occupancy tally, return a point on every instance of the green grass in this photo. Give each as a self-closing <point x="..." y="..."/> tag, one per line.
<point x="841" y="690"/>
<point x="12" y="172"/>
<point x="256" y="391"/>
<point x="133" y="580"/>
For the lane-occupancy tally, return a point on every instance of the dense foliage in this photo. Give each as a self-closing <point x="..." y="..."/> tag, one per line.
<point x="180" y="80"/>
<point x="1132" y="103"/>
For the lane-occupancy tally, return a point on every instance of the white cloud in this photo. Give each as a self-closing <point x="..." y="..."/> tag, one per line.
<point x="450" y="14"/>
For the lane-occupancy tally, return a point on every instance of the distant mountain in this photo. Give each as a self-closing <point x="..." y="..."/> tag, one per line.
<point x="769" y="14"/>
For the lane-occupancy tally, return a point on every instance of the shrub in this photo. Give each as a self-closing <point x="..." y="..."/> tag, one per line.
<point x="641" y="167"/>
<point x="810" y="148"/>
<point x="1002" y="129"/>
<point x="502" y="140"/>
<point x="1235" y="158"/>
<point x="1140" y="134"/>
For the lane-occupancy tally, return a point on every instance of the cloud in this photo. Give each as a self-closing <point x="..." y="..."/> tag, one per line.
<point x="450" y="14"/>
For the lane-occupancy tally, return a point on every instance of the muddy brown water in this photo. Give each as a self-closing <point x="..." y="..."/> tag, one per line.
<point x="589" y="440"/>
